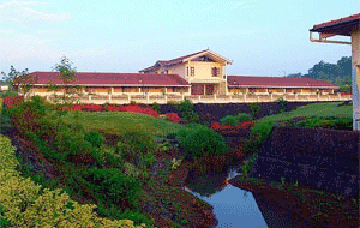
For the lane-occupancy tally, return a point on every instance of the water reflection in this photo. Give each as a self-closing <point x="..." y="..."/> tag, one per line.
<point x="233" y="207"/>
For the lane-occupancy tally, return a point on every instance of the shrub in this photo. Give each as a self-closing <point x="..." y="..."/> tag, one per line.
<point x="173" y="117"/>
<point x="113" y="187"/>
<point x="156" y="107"/>
<point x="201" y="141"/>
<point x="95" y="138"/>
<point x="163" y="117"/>
<point x="283" y="104"/>
<point x="135" y="145"/>
<point x="235" y="120"/>
<point x="259" y="133"/>
<point x="254" y="109"/>
<point x="23" y="204"/>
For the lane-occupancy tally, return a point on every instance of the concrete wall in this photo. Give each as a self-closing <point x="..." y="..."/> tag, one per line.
<point x="323" y="159"/>
<point x="356" y="77"/>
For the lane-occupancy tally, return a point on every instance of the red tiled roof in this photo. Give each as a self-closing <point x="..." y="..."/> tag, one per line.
<point x="277" y="81"/>
<point x="87" y="78"/>
<point x="337" y="21"/>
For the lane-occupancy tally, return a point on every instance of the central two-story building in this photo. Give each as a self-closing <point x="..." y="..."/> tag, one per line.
<point x="206" y="71"/>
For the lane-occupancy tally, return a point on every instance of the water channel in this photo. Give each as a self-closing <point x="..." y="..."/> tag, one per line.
<point x="233" y="206"/>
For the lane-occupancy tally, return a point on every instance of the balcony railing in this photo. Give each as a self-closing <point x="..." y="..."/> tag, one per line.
<point x="161" y="99"/>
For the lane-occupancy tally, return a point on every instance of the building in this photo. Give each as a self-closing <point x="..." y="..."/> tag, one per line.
<point x="348" y="27"/>
<point x="201" y="75"/>
<point x="206" y="71"/>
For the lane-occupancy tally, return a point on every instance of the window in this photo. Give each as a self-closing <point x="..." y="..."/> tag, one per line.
<point x="215" y="71"/>
<point x="192" y="71"/>
<point x="187" y="71"/>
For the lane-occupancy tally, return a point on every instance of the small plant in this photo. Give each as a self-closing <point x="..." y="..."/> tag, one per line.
<point x="296" y="183"/>
<point x="175" y="163"/>
<point x="156" y="107"/>
<point x="283" y="180"/>
<point x="255" y="108"/>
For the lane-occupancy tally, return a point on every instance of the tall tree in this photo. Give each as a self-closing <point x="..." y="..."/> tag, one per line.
<point x="67" y="73"/>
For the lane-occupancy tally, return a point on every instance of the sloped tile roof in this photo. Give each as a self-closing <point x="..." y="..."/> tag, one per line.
<point x="343" y="26"/>
<point x="338" y="21"/>
<point x="88" y="78"/>
<point x="277" y="81"/>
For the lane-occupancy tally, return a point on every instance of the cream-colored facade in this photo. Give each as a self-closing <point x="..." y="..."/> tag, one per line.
<point x="206" y="71"/>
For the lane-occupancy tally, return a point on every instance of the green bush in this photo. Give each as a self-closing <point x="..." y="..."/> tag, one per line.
<point x="113" y="187"/>
<point x="201" y="141"/>
<point x="135" y="146"/>
<point x="187" y="111"/>
<point x="156" y="107"/>
<point x="255" y="108"/>
<point x="236" y="119"/>
<point x="95" y="138"/>
<point x="259" y="133"/>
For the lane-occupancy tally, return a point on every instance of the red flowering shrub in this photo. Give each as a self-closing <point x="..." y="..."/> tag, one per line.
<point x="134" y="108"/>
<point x="10" y="101"/>
<point x="173" y="117"/>
<point x="229" y="129"/>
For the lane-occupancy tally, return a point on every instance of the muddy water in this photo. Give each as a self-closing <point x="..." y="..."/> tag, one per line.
<point x="233" y="207"/>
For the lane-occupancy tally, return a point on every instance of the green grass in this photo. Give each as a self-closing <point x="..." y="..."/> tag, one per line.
<point x="123" y="122"/>
<point x="314" y="109"/>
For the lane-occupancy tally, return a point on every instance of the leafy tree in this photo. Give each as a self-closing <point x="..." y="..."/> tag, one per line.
<point x="22" y="81"/>
<point x="67" y="73"/>
<point x="346" y="85"/>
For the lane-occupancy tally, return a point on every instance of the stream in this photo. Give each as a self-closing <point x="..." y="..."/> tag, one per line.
<point x="233" y="206"/>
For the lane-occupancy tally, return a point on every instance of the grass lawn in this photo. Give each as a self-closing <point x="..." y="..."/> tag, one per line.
<point x="122" y="122"/>
<point x="314" y="109"/>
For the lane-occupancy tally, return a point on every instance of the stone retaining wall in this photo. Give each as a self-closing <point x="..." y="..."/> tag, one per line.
<point x="323" y="159"/>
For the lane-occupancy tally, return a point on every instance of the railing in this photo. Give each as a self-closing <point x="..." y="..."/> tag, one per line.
<point x="162" y="99"/>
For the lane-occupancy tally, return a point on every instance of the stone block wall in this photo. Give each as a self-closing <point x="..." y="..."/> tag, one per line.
<point x="323" y="159"/>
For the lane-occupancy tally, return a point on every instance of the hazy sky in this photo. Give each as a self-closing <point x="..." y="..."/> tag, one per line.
<point x="262" y="37"/>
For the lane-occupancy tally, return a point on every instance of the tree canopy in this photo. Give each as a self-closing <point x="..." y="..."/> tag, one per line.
<point x="339" y="73"/>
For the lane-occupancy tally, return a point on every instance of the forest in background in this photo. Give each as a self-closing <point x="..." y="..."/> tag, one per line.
<point x="339" y="73"/>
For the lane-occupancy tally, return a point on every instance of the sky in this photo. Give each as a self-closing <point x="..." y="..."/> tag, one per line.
<point x="262" y="37"/>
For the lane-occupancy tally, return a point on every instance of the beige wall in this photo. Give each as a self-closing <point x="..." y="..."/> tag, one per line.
<point x="180" y="70"/>
<point x="202" y="70"/>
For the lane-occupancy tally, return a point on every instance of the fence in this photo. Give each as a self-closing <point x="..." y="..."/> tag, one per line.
<point x="163" y="99"/>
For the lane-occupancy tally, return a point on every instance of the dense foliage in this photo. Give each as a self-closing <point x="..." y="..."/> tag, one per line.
<point x="24" y="205"/>
<point x="234" y="120"/>
<point x="187" y="111"/>
<point x="199" y="141"/>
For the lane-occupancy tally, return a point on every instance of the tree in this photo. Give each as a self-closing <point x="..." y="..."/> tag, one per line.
<point x="24" y="82"/>
<point x="346" y="85"/>
<point x="67" y="73"/>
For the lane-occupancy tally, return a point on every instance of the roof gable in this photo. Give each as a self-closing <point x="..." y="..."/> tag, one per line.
<point x="185" y="58"/>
